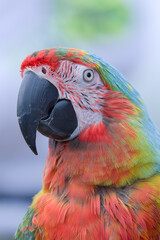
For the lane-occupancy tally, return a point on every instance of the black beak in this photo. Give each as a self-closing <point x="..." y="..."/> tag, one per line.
<point x="38" y="108"/>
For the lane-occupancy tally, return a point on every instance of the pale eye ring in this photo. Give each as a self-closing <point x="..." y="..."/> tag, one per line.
<point x="88" y="75"/>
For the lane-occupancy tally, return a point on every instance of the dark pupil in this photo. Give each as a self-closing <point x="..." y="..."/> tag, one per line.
<point x="88" y="74"/>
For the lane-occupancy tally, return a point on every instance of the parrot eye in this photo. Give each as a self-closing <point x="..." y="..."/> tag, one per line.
<point x="88" y="75"/>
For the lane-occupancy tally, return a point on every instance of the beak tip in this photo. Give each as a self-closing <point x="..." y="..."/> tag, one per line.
<point x="32" y="147"/>
<point x="35" y="152"/>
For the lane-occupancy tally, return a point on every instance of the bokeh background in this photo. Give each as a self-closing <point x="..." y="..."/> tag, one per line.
<point x="125" y="33"/>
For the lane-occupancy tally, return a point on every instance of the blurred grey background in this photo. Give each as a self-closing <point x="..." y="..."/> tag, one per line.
<point x="125" y="33"/>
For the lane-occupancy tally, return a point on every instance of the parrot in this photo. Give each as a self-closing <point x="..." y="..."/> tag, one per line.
<point x="101" y="179"/>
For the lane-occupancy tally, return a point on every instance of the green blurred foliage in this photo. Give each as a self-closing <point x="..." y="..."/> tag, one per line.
<point x="89" y="19"/>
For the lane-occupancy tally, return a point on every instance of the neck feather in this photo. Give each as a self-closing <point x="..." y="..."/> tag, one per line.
<point x="99" y="156"/>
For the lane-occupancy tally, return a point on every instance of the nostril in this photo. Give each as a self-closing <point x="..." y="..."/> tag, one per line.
<point x="44" y="70"/>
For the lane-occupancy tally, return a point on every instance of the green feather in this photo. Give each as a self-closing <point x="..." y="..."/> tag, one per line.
<point x="26" y="230"/>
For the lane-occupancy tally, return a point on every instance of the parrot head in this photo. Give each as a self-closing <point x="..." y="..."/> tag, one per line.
<point x="74" y="97"/>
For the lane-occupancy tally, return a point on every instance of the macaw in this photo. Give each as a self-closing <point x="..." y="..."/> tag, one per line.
<point x="101" y="180"/>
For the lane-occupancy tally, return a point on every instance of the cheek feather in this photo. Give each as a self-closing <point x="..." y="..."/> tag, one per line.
<point x="116" y="107"/>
